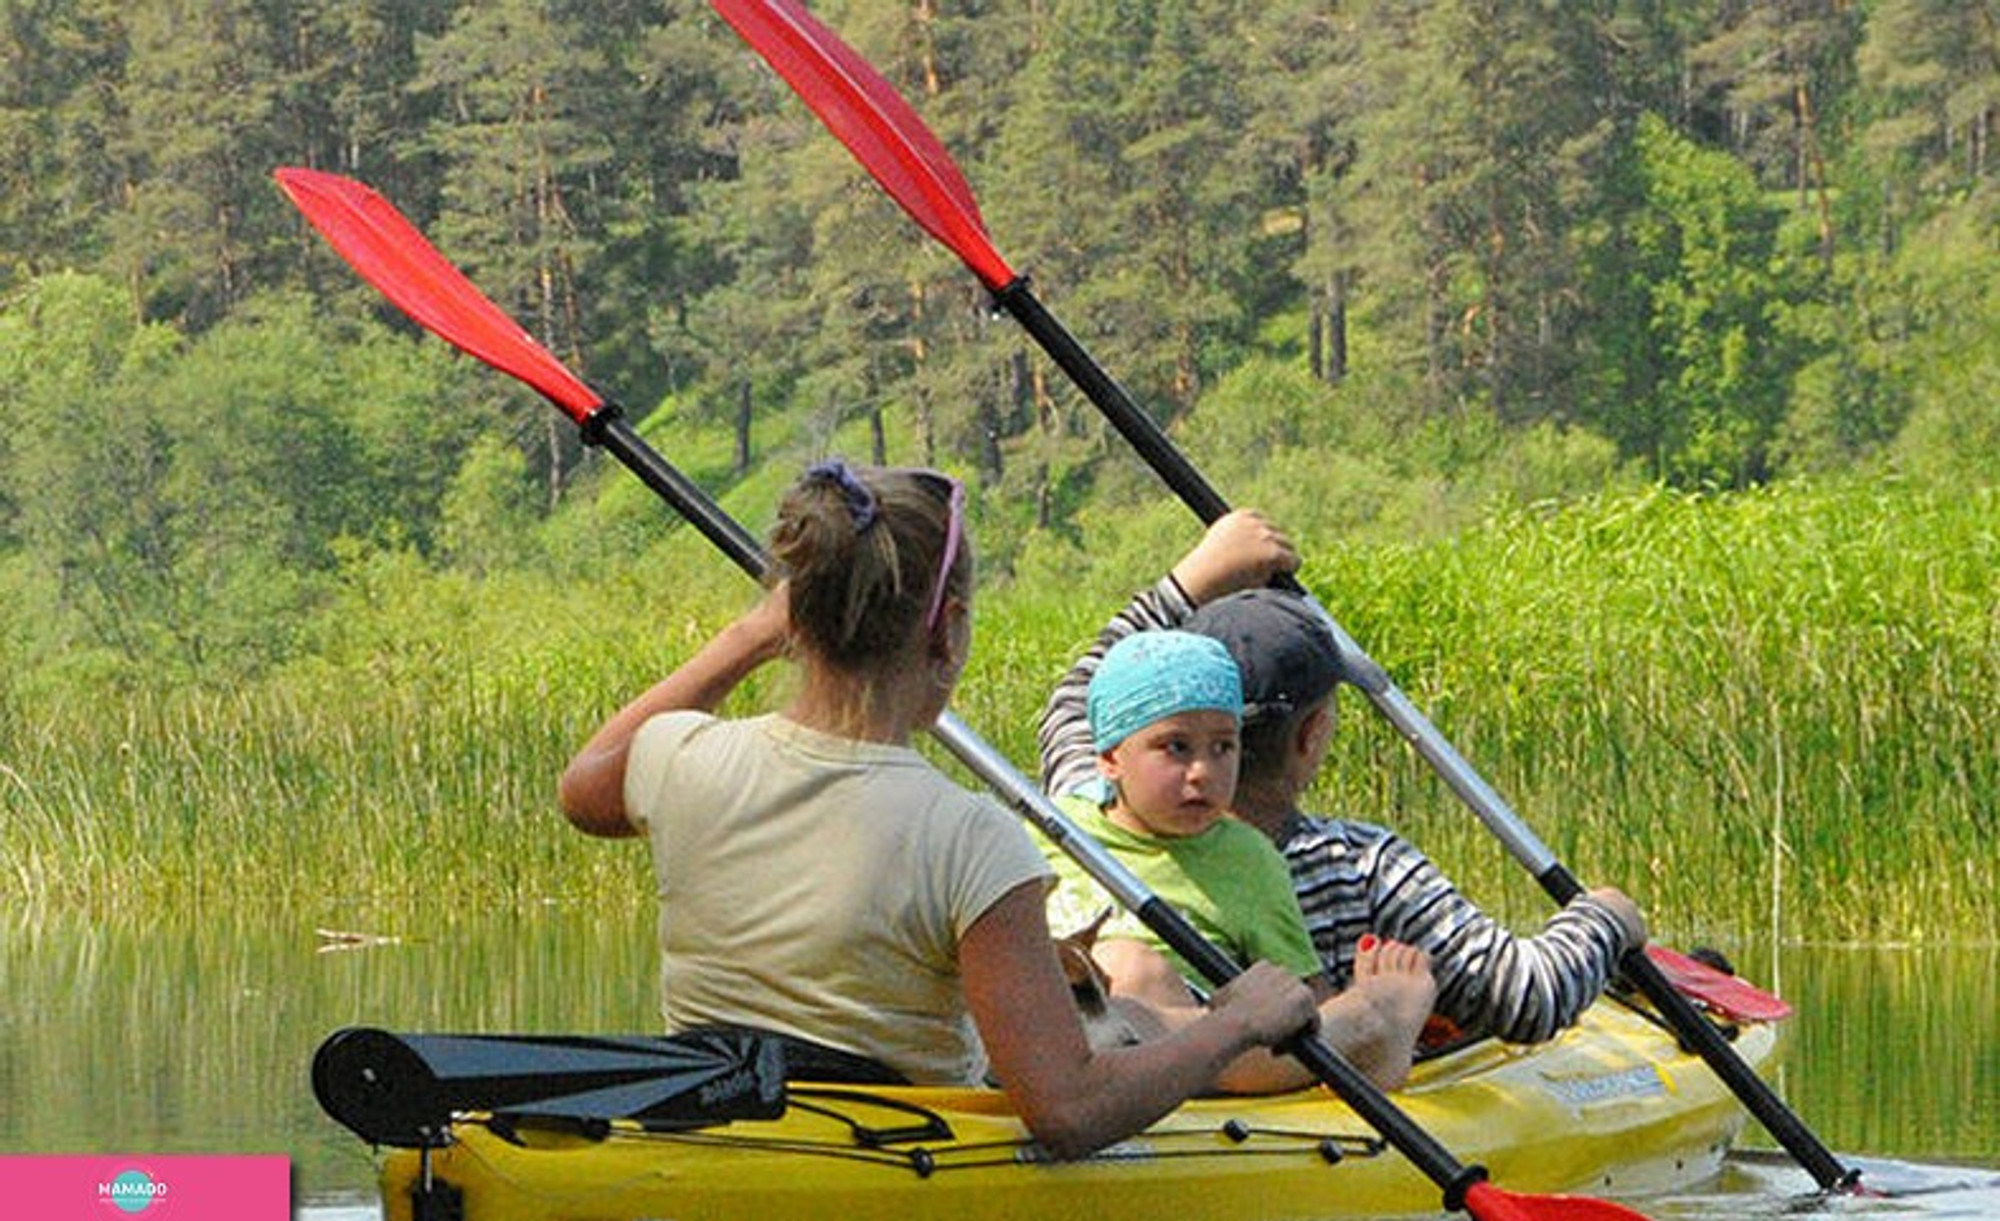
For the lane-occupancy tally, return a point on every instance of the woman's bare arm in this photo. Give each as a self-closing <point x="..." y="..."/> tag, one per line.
<point x="1075" y="1099"/>
<point x="592" y="790"/>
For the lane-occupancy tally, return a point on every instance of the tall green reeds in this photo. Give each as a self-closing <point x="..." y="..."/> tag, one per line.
<point x="1771" y="711"/>
<point x="1762" y="713"/>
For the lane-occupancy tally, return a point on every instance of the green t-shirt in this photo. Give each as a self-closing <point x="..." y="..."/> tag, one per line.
<point x="1230" y="882"/>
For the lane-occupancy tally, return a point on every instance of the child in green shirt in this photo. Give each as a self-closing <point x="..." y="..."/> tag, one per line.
<point x="1166" y="710"/>
<point x="1166" y="713"/>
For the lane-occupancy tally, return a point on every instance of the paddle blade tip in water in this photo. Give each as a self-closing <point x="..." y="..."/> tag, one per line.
<point x="1720" y="991"/>
<point x="1490" y="1203"/>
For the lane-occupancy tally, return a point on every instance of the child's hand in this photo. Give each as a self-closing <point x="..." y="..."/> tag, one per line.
<point x="1242" y="550"/>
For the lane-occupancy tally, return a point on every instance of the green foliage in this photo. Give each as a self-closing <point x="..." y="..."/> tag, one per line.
<point x="1774" y="73"/>
<point x="1932" y="88"/>
<point x="1700" y="387"/>
<point x="487" y="508"/>
<point x="84" y="469"/>
<point x="188" y="504"/>
<point x="1951" y="356"/>
<point x="1851" y="400"/>
<point x="1459" y="200"/>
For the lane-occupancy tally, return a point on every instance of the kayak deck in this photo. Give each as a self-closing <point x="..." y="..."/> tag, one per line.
<point x="1612" y="1106"/>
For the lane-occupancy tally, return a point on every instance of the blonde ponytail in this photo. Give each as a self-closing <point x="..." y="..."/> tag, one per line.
<point x="862" y="548"/>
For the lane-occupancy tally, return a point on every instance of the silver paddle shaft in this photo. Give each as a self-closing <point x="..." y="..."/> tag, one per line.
<point x="1450" y="766"/>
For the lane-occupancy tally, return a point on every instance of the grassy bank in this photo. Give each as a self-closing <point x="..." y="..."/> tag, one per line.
<point x="1765" y="712"/>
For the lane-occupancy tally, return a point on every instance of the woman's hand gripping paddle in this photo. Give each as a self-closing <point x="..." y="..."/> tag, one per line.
<point x="892" y="143"/>
<point x="393" y="256"/>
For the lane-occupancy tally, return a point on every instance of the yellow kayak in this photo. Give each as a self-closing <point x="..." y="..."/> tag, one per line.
<point x="1611" y="1107"/>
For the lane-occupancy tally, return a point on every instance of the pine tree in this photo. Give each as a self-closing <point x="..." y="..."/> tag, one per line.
<point x="525" y="172"/>
<point x="1303" y="79"/>
<point x="344" y="68"/>
<point x="1127" y="186"/>
<point x="1932" y="71"/>
<point x="58" y="62"/>
<point x="1771" y="71"/>
<point x="1483" y="133"/>
<point x="196" y="221"/>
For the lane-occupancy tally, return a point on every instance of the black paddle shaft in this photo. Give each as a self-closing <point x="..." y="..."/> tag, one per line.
<point x="608" y="428"/>
<point x="1112" y="399"/>
<point x="1179" y="474"/>
<point x="1701" y="1036"/>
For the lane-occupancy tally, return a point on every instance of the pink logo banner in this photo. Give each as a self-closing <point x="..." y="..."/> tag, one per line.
<point x="146" y="1187"/>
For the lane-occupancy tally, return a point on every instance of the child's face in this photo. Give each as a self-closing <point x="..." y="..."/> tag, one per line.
<point x="1176" y="776"/>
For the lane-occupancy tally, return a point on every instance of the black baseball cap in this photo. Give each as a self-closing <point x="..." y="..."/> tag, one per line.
<point x="1282" y="645"/>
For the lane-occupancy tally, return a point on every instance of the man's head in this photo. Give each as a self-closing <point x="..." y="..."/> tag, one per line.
<point x="1288" y="660"/>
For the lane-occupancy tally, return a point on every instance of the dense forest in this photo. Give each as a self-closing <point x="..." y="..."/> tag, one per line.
<point x="1493" y="247"/>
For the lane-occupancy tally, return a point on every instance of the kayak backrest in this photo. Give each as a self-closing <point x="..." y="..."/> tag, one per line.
<point x="405" y="1089"/>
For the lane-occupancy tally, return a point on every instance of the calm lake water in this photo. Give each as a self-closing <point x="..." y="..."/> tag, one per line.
<point x="192" y="1032"/>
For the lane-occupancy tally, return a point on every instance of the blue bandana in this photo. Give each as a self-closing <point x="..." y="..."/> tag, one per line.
<point x="1152" y="675"/>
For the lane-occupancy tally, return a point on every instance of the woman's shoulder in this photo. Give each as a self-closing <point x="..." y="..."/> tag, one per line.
<point x="682" y="721"/>
<point x="668" y="731"/>
<point x="971" y="837"/>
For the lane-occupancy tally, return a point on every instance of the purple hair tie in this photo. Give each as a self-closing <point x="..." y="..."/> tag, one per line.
<point x="861" y="503"/>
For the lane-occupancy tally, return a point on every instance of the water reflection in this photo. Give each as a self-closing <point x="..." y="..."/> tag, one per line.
<point x="1900" y="1054"/>
<point x="193" y="1033"/>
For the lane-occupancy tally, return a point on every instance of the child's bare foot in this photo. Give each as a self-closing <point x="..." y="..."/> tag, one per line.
<point x="1375" y="1023"/>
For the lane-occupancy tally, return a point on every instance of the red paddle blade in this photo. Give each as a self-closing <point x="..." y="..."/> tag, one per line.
<point x="867" y="115"/>
<point x="1489" y="1203"/>
<point x="1717" y="991"/>
<point x="389" y="252"/>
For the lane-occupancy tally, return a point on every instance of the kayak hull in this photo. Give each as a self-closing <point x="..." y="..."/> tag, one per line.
<point x="1611" y="1107"/>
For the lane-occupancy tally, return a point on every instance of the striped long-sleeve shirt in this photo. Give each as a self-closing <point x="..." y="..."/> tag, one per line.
<point x="1353" y="878"/>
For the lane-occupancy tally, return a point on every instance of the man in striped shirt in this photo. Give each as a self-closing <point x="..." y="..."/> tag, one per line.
<point x="1352" y="879"/>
